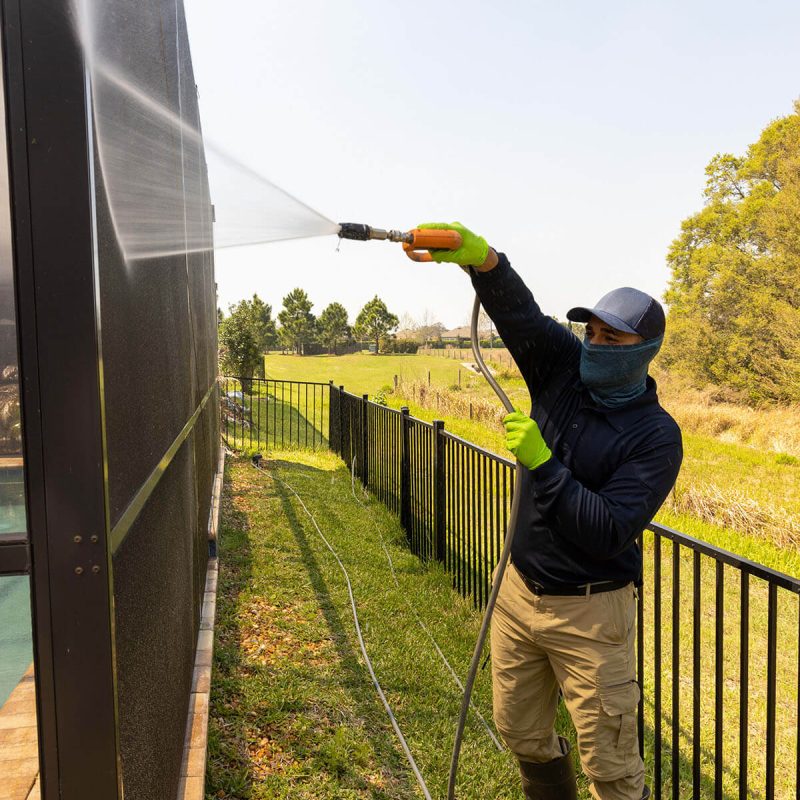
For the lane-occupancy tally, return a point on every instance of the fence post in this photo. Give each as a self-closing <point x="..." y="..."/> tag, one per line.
<point x="332" y="432"/>
<point x="364" y="440"/>
<point x="405" y="472"/>
<point x="341" y="424"/>
<point x="440" y="489"/>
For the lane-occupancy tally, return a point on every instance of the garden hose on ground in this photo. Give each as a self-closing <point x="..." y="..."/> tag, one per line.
<point x="501" y="564"/>
<point x="489" y="732"/>
<point x="410" y="758"/>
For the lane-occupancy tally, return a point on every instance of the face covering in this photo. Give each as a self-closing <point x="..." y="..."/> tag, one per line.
<point x="616" y="374"/>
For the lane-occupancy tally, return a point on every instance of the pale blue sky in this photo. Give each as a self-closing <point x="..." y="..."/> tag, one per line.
<point x="572" y="135"/>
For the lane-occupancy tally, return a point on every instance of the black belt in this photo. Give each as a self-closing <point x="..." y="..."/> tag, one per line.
<point x="565" y="590"/>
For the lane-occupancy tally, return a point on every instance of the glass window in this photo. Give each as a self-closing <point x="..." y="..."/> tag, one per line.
<point x="19" y="755"/>
<point x="12" y="495"/>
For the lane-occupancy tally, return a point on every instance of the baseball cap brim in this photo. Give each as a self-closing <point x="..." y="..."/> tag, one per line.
<point x="581" y="314"/>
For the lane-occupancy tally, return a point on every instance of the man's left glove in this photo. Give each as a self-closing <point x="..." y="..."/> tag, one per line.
<point x="524" y="440"/>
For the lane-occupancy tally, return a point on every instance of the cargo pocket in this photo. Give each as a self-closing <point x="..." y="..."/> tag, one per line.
<point x="619" y="703"/>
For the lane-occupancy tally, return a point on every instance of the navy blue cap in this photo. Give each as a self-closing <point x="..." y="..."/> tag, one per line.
<point x="628" y="310"/>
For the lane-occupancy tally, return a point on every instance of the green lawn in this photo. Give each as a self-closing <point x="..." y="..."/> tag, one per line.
<point x="361" y="373"/>
<point x="761" y="476"/>
<point x="293" y="711"/>
<point x="294" y="714"/>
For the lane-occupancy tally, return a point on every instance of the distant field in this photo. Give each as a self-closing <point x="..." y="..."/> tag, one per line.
<point x="360" y="373"/>
<point x="742" y="473"/>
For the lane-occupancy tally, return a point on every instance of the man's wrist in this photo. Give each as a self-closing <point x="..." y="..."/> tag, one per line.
<point x="490" y="262"/>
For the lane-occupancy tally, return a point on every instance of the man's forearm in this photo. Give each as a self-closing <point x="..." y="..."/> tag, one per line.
<point x="490" y="263"/>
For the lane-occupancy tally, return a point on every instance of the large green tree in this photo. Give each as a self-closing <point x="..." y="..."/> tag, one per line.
<point x="734" y="293"/>
<point x="298" y="324"/>
<point x="375" y="322"/>
<point x="333" y="326"/>
<point x="239" y="352"/>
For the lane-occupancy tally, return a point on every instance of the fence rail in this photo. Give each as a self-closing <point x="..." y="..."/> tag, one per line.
<point x="718" y="635"/>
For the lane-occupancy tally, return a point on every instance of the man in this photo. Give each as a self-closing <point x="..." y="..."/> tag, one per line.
<point x="601" y="456"/>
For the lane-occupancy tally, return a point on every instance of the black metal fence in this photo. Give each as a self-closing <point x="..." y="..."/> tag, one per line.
<point x="718" y="634"/>
<point x="259" y="413"/>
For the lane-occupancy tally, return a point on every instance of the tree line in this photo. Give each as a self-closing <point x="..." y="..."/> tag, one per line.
<point x="734" y="292"/>
<point x="249" y="330"/>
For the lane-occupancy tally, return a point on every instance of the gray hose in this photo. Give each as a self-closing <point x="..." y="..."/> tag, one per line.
<point x="375" y="682"/>
<point x="501" y="565"/>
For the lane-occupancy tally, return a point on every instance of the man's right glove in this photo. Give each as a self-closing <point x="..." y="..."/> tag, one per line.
<point x="524" y="440"/>
<point x="473" y="250"/>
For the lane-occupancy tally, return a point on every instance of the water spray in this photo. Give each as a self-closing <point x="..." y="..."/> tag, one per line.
<point x="417" y="244"/>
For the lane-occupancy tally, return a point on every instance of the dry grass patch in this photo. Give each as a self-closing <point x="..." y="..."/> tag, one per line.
<point x="732" y="509"/>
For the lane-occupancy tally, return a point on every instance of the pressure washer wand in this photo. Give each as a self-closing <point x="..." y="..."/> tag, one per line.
<point x="416" y="243"/>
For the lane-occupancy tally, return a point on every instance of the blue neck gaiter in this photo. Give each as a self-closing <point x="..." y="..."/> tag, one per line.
<point x="616" y="374"/>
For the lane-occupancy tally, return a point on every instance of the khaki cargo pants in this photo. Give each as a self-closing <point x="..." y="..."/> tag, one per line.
<point x="584" y="646"/>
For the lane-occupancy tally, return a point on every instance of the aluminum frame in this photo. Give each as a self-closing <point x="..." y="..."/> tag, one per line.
<point x="61" y="368"/>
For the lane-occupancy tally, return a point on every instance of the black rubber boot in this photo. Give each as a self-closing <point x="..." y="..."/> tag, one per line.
<point x="554" y="780"/>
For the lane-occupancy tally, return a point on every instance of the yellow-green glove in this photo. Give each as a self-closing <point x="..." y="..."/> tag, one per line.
<point x="524" y="440"/>
<point x="473" y="250"/>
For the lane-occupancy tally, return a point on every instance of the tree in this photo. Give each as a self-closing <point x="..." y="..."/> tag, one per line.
<point x="298" y="324"/>
<point x="430" y="329"/>
<point x="734" y="292"/>
<point x="408" y="327"/>
<point x="261" y="317"/>
<point x="374" y="322"/>
<point x="333" y="327"/>
<point x="239" y="352"/>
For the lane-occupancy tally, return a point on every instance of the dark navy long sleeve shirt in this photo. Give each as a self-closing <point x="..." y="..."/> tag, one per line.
<point x="611" y="468"/>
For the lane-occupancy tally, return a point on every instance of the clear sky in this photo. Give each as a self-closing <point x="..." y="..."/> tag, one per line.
<point x="572" y="135"/>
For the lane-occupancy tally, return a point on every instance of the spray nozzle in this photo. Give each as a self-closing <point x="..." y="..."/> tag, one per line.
<point x="362" y="233"/>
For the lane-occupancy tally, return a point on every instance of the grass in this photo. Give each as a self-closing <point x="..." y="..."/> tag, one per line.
<point x="293" y="712"/>
<point x="360" y="372"/>
<point x="761" y="484"/>
<point x="330" y="760"/>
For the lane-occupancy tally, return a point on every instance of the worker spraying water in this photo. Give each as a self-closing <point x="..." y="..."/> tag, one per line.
<point x="595" y="459"/>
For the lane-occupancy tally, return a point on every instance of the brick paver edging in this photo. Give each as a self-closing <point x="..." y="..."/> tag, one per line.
<point x="192" y="785"/>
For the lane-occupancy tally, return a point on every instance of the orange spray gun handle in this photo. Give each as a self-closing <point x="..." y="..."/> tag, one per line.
<point x="430" y="239"/>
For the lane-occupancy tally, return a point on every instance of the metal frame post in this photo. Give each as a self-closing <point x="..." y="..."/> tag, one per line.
<point x="61" y="363"/>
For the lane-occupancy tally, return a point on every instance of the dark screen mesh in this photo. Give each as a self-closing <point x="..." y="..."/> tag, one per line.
<point x="156" y="611"/>
<point x="158" y="322"/>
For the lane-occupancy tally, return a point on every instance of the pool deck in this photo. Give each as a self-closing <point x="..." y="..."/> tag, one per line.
<point x="19" y="747"/>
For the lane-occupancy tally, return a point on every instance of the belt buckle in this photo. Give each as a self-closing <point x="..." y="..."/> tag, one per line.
<point x="534" y="588"/>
